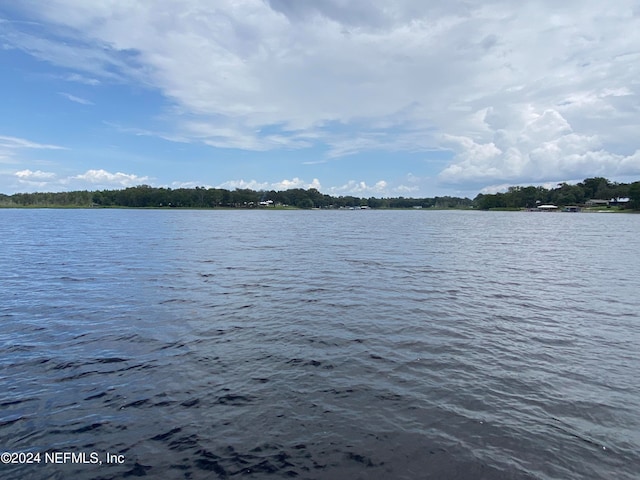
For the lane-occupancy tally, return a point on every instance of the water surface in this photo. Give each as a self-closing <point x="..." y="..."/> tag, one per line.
<point x="321" y="344"/>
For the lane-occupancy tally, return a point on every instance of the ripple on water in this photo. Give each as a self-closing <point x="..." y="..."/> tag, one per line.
<point x="321" y="345"/>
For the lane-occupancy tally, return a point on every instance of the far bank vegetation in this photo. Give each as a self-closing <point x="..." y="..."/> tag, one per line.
<point x="144" y="196"/>
<point x="591" y="191"/>
<point x="597" y="191"/>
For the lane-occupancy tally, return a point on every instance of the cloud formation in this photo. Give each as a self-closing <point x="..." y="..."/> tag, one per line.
<point x="90" y="180"/>
<point x="544" y="147"/>
<point x="356" y="188"/>
<point x="103" y="177"/>
<point x="73" y="98"/>
<point x="277" y="186"/>
<point x="13" y="143"/>
<point x="37" y="175"/>
<point x="516" y="92"/>
<point x="361" y="189"/>
<point x="11" y="151"/>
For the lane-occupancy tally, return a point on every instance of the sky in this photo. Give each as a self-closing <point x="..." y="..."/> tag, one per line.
<point x="409" y="98"/>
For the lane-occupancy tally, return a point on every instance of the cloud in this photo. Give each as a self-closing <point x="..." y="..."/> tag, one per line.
<point x="91" y="180"/>
<point x="242" y="184"/>
<point x="75" y="77"/>
<point x="297" y="183"/>
<point x="402" y="190"/>
<point x="189" y="185"/>
<point x="545" y="148"/>
<point x="95" y="59"/>
<point x="143" y="132"/>
<point x="102" y="177"/>
<point x="37" y="175"/>
<point x="278" y="186"/>
<point x="360" y="189"/>
<point x="352" y="187"/>
<point x="514" y="90"/>
<point x="13" y="143"/>
<point x="75" y="99"/>
<point x="34" y="179"/>
<point x="12" y="149"/>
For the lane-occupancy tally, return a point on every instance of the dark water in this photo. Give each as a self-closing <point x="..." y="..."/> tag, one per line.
<point x="321" y="345"/>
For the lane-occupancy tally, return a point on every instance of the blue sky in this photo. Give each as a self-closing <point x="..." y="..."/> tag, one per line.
<point x="364" y="98"/>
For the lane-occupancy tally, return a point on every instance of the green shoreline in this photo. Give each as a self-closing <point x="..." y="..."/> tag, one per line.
<point x="591" y="194"/>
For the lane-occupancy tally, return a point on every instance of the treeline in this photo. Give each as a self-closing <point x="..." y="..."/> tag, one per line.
<point x="145" y="196"/>
<point x="597" y="188"/>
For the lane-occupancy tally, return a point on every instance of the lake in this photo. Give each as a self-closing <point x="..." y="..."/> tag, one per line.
<point x="320" y="344"/>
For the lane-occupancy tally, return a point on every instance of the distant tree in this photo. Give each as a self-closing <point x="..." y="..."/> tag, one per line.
<point x="634" y="195"/>
<point x="596" y="187"/>
<point x="226" y="198"/>
<point x="487" y="202"/>
<point x="373" y="202"/>
<point x="305" y="203"/>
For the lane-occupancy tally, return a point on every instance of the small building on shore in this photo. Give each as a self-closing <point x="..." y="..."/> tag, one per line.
<point x="594" y="202"/>
<point x="619" y="202"/>
<point x="547" y="208"/>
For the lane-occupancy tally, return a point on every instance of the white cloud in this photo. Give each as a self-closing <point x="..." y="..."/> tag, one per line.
<point x="34" y="179"/>
<point x="12" y="152"/>
<point x="29" y="180"/>
<point x="37" y="175"/>
<point x="402" y="190"/>
<point x="14" y="143"/>
<point x="353" y="187"/>
<point x="189" y="185"/>
<point x="381" y="188"/>
<point x="360" y="189"/>
<point x="296" y="183"/>
<point x="103" y="177"/>
<point x="75" y="77"/>
<point x="515" y="90"/>
<point x="545" y="148"/>
<point x="242" y="184"/>
<point x="73" y="98"/>
<point x="281" y="185"/>
<point x="491" y="189"/>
